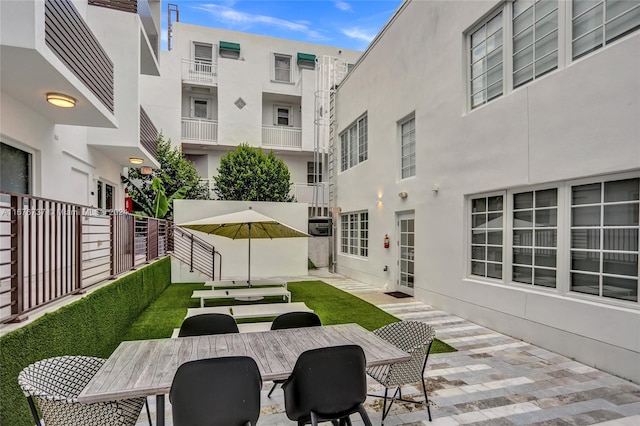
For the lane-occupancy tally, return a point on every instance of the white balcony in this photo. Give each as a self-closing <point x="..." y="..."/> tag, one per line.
<point x="199" y="129"/>
<point x="311" y="194"/>
<point x="282" y="137"/>
<point x="199" y="72"/>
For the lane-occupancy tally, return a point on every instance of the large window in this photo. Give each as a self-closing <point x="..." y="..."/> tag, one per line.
<point x="604" y="239"/>
<point x="408" y="148"/>
<point x="354" y="144"/>
<point x="598" y="22"/>
<point x="354" y="238"/>
<point x="314" y="175"/>
<point x="15" y="170"/>
<point x="203" y="57"/>
<point x="282" y="115"/>
<point x="282" y="68"/>
<point x="575" y="238"/>
<point x="486" y="61"/>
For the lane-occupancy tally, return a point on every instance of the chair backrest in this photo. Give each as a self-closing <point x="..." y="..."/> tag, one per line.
<point x="414" y="337"/>
<point x="296" y="320"/>
<point x="203" y="324"/>
<point x="326" y="381"/>
<point x="216" y="391"/>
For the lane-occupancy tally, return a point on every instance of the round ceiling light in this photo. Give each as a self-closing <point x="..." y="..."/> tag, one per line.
<point x="61" y="100"/>
<point x="134" y="160"/>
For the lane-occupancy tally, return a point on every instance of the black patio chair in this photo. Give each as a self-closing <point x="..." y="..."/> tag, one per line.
<point x="293" y="320"/>
<point x="327" y="384"/>
<point x="204" y="324"/>
<point x="220" y="391"/>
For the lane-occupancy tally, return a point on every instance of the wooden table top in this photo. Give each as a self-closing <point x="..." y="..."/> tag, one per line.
<point x="147" y="367"/>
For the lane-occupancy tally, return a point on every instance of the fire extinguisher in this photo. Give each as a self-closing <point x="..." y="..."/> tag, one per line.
<point x="386" y="241"/>
<point x="128" y="202"/>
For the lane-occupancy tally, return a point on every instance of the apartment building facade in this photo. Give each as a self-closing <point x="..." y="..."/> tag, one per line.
<point x="509" y="134"/>
<point x="226" y="87"/>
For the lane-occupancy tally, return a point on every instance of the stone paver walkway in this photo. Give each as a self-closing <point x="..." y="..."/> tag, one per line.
<point x="492" y="380"/>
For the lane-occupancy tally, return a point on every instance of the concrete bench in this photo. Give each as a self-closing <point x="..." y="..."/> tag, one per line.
<point x="252" y="311"/>
<point x="237" y="293"/>
<point x="243" y="283"/>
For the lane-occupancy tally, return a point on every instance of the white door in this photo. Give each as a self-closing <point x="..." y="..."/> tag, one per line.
<point x="406" y="256"/>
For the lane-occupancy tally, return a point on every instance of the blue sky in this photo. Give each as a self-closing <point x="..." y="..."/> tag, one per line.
<point x="349" y="24"/>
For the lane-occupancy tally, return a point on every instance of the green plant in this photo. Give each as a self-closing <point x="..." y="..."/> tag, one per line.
<point x="247" y="174"/>
<point x="311" y="265"/>
<point x="93" y="325"/>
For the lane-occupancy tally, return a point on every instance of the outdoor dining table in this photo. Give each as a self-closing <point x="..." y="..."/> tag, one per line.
<point x="143" y="368"/>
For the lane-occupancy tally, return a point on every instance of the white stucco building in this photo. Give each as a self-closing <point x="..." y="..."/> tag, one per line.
<point x="223" y="88"/>
<point x="508" y="132"/>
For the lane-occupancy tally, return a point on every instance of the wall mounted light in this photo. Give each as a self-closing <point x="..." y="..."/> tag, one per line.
<point x="61" y="100"/>
<point x="403" y="195"/>
<point x="146" y="170"/>
<point x="134" y="160"/>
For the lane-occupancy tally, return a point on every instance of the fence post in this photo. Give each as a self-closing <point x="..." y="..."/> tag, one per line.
<point x="17" y="272"/>
<point x="78" y="269"/>
<point x="132" y="220"/>
<point x="213" y="263"/>
<point x="191" y="254"/>
<point x="112" y="253"/>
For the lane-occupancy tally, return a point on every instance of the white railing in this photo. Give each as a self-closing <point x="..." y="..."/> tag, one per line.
<point x="199" y="129"/>
<point x="307" y="193"/>
<point x="282" y="137"/>
<point x="199" y="72"/>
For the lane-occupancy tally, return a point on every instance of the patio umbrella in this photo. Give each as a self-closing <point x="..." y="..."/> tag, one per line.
<point x="245" y="224"/>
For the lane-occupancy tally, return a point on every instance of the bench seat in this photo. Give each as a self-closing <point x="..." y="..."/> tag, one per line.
<point x="243" y="283"/>
<point x="240" y="293"/>
<point x="252" y="311"/>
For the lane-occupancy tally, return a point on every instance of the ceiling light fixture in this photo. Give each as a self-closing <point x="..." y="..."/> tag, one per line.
<point x="61" y="100"/>
<point x="134" y="160"/>
<point x="146" y="170"/>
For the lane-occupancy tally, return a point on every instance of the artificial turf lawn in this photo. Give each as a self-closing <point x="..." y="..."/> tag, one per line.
<point x="332" y="305"/>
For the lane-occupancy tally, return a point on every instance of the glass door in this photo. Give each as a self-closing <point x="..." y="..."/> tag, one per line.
<point x="406" y="233"/>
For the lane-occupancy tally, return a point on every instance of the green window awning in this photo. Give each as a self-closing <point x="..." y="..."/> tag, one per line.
<point x="306" y="60"/>
<point x="227" y="45"/>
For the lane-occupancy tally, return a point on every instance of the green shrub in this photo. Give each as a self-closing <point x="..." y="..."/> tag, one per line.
<point x="93" y="326"/>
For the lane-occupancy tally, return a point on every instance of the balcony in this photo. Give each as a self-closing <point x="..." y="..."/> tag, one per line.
<point x="199" y="129"/>
<point x="198" y="72"/>
<point x="282" y="137"/>
<point x="311" y="194"/>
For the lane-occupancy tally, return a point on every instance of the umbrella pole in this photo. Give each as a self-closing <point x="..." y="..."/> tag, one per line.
<point x="249" y="266"/>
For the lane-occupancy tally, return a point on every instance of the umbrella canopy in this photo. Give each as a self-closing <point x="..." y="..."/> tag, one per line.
<point x="245" y="224"/>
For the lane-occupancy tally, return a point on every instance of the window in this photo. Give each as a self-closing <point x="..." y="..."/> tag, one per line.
<point x="598" y="22"/>
<point x="408" y="148"/>
<point x="105" y="195"/>
<point x="313" y="175"/>
<point x="199" y="108"/>
<point x="487" y="227"/>
<point x="354" y="238"/>
<point x="282" y="116"/>
<point x="604" y="239"/>
<point x="229" y="50"/>
<point x="203" y="57"/>
<point x="535" y="237"/>
<point x="486" y="61"/>
<point x="15" y="170"/>
<point x="535" y="39"/>
<point x="354" y="144"/>
<point x="282" y="68"/>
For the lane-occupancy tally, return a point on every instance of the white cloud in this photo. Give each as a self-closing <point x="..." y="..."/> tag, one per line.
<point x="343" y="6"/>
<point x="237" y="18"/>
<point x="358" y="34"/>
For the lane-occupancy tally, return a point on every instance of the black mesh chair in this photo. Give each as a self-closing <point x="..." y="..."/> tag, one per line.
<point x="293" y="320"/>
<point x="327" y="384"/>
<point x="203" y="324"/>
<point x="224" y="391"/>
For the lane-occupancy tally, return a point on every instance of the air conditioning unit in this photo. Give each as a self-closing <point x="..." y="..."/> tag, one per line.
<point x="320" y="226"/>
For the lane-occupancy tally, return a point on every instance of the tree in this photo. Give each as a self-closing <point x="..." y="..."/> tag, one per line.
<point x="247" y="174"/>
<point x="176" y="178"/>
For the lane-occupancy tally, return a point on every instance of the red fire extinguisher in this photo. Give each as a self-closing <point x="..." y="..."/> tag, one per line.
<point x="128" y="202"/>
<point x="386" y="241"/>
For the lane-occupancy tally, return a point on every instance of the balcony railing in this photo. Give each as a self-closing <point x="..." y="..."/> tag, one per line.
<point x="148" y="134"/>
<point x="198" y="129"/>
<point x="199" y="72"/>
<point x="311" y="193"/>
<point x="282" y="137"/>
<point x="51" y="249"/>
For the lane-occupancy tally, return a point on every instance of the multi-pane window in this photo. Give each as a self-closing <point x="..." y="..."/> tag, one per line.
<point x="15" y="170"/>
<point x="535" y="237"/>
<point x="486" y="61"/>
<point x="604" y="239"/>
<point x="314" y="175"/>
<point x="104" y="195"/>
<point x="598" y="22"/>
<point x="203" y="57"/>
<point x="408" y="148"/>
<point x="487" y="227"/>
<point x="354" y="144"/>
<point x="282" y="116"/>
<point x="354" y="238"/>
<point x="282" y="68"/>
<point x="200" y="108"/>
<point x="535" y="39"/>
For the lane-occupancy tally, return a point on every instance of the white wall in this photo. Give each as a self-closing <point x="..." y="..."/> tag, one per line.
<point x="284" y="257"/>
<point x="576" y="122"/>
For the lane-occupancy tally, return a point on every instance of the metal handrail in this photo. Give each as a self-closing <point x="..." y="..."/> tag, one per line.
<point x="196" y="252"/>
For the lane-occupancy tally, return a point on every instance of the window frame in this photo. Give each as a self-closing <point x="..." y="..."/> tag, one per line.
<point x="192" y="108"/>
<point x="276" y="115"/>
<point x="411" y="143"/>
<point x="275" y="69"/>
<point x="30" y="156"/>
<point x="354" y="143"/>
<point x="354" y="237"/>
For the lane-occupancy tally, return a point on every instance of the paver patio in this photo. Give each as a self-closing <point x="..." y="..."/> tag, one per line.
<point x="493" y="379"/>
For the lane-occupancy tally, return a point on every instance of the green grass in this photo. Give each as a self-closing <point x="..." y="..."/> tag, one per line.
<point x="332" y="305"/>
